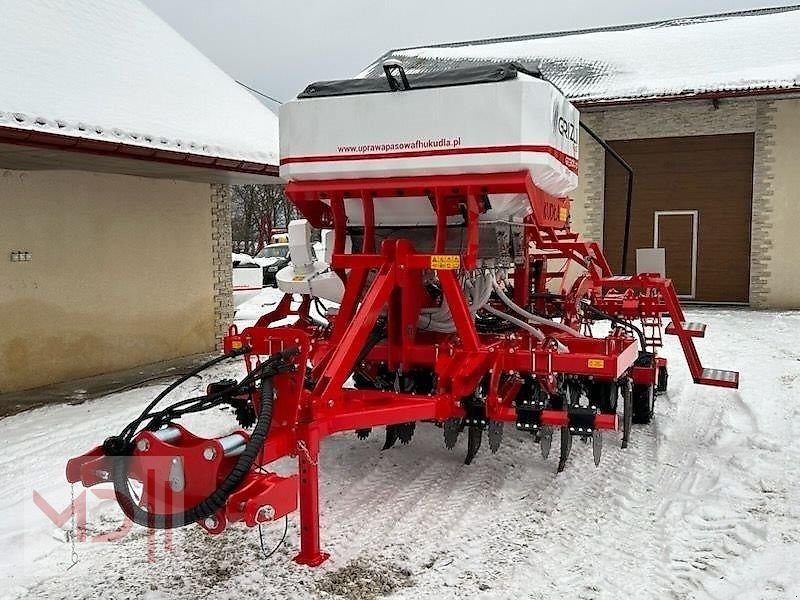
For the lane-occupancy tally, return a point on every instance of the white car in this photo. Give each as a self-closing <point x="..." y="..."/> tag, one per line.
<point x="272" y="258"/>
<point x="248" y="278"/>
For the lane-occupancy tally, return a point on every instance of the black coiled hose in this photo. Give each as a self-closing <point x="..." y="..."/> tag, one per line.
<point x="217" y="499"/>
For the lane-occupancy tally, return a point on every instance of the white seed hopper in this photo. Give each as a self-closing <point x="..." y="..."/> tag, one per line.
<point x="478" y="120"/>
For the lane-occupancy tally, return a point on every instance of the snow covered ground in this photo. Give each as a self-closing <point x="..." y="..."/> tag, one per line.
<point x="704" y="504"/>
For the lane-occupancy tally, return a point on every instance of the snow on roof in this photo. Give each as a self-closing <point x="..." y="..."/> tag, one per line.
<point x="733" y="52"/>
<point x="113" y="71"/>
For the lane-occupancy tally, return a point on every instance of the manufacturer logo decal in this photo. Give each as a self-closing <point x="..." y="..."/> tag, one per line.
<point x="567" y="130"/>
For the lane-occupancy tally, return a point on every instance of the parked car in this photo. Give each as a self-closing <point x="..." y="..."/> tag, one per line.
<point x="272" y="259"/>
<point x="248" y="280"/>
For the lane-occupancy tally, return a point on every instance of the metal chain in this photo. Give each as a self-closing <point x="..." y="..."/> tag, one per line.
<point x="304" y="449"/>
<point x="279" y="544"/>
<point x="73" y="533"/>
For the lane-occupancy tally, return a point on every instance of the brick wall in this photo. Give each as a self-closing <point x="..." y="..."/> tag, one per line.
<point x="669" y="119"/>
<point x="761" y="224"/>
<point x="588" y="205"/>
<point x="221" y="247"/>
<point x="677" y="119"/>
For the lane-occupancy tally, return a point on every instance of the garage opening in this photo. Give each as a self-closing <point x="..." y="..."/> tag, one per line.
<point x="692" y="196"/>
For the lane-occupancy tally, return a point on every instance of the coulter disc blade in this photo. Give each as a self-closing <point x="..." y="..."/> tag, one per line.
<point x="405" y="431"/>
<point x="451" y="428"/>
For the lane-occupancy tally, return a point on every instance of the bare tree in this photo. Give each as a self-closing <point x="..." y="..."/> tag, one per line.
<point x="256" y="211"/>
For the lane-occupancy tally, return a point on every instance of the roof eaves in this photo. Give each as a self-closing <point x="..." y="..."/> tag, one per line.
<point x="54" y="141"/>
<point x="704" y="95"/>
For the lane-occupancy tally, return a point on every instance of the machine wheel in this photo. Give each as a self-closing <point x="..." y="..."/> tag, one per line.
<point x="627" y="406"/>
<point x="643" y="400"/>
<point x="663" y="379"/>
<point x="604" y="396"/>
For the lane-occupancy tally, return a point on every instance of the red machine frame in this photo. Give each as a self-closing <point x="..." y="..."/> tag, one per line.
<point x="460" y="361"/>
<point x="387" y="282"/>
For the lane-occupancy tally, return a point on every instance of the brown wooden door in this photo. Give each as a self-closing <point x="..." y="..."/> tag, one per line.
<point x="676" y="231"/>
<point x="710" y="174"/>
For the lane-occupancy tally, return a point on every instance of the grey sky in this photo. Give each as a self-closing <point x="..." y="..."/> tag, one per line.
<point x="280" y="46"/>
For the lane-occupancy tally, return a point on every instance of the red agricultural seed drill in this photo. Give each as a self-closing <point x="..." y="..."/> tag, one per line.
<point x="452" y="292"/>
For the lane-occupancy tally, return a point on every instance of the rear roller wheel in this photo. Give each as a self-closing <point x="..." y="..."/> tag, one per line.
<point x="663" y="379"/>
<point x="627" y="411"/>
<point x="643" y="400"/>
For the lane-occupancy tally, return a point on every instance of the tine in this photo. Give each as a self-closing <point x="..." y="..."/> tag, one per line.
<point x="473" y="443"/>
<point x="546" y="441"/>
<point x="363" y="433"/>
<point x="391" y="436"/>
<point x="597" y="446"/>
<point x="566" y="446"/>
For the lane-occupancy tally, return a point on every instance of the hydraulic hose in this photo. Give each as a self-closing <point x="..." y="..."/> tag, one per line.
<point x="217" y="499"/>
<point x="599" y="313"/>
<point x="478" y="291"/>
<point x="526" y="326"/>
<point x="183" y="379"/>
<point x="518" y="322"/>
<point x="530" y="316"/>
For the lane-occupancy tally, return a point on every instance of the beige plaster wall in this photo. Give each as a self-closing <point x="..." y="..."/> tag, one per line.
<point x="121" y="274"/>
<point x="783" y="219"/>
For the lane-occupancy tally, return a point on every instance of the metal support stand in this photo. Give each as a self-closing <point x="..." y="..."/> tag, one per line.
<point x="307" y="458"/>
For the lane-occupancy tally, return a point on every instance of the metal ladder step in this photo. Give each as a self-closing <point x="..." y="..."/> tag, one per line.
<point x="719" y="378"/>
<point x="686" y="331"/>
<point x="691" y="329"/>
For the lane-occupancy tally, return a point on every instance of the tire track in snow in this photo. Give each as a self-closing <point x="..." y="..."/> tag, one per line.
<point x="543" y="532"/>
<point x="423" y="491"/>
<point x="350" y="517"/>
<point x="449" y="492"/>
<point x="708" y="526"/>
<point x="441" y="511"/>
<point x="612" y="510"/>
<point x="584" y="533"/>
<point x="376" y="534"/>
<point x="511" y="532"/>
